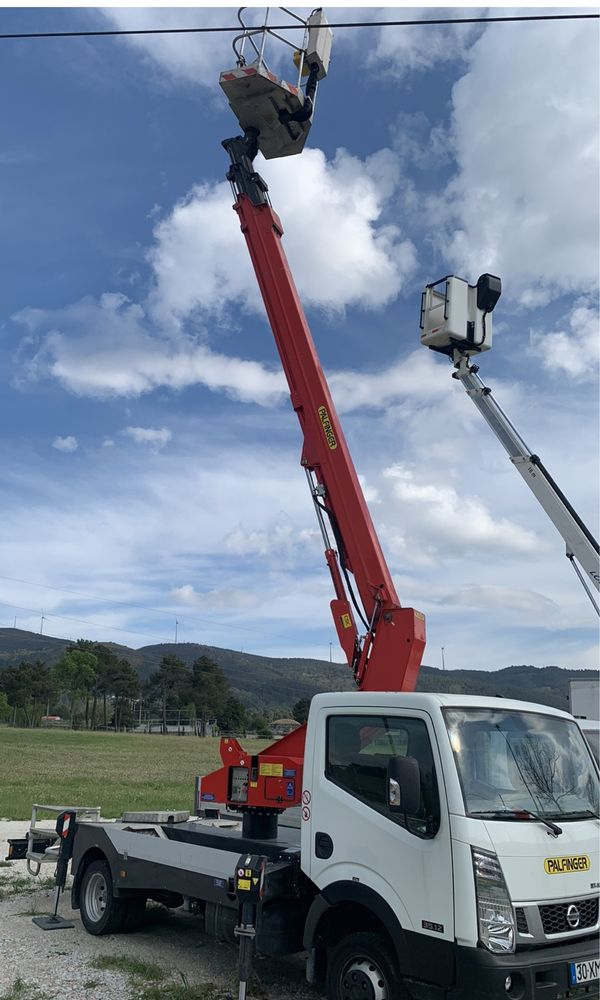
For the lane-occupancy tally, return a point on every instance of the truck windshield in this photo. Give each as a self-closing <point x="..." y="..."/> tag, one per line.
<point x="509" y="761"/>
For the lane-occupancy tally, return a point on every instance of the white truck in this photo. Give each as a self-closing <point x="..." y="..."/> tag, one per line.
<point x="448" y="850"/>
<point x="416" y="846"/>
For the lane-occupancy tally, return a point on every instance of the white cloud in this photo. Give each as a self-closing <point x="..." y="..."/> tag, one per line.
<point x="416" y="376"/>
<point x="341" y="252"/>
<point x="68" y="443"/>
<point x="370" y="492"/>
<point x="400" y="51"/>
<point x="419" y="143"/>
<point x="275" y="554"/>
<point x="154" y="437"/>
<point x="119" y="357"/>
<point x="574" y="351"/>
<point x="453" y="521"/>
<point x="199" y="59"/>
<point x="107" y="348"/>
<point x="224" y="599"/>
<point x="185" y="58"/>
<point x="524" y="200"/>
<point x="500" y="598"/>
<point x="281" y="538"/>
<point x="341" y="255"/>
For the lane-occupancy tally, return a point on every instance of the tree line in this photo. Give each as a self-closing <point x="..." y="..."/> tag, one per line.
<point x="91" y="687"/>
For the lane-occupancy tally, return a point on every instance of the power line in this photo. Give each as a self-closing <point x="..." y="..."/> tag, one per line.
<point x="193" y="619"/>
<point x="84" y="621"/>
<point x="111" y="32"/>
<point x="112" y="628"/>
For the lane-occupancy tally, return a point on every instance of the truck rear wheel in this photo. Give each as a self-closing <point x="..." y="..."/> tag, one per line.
<point x="101" y="913"/>
<point x="362" y="965"/>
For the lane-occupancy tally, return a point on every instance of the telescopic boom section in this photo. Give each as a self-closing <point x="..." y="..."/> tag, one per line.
<point x="387" y="655"/>
<point x="388" y="659"/>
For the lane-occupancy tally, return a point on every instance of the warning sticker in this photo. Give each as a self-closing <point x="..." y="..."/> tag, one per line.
<point x="271" y="770"/>
<point x="243" y="883"/>
<point x="346" y="621"/>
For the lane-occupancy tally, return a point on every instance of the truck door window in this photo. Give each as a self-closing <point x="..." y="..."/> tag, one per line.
<point x="358" y="751"/>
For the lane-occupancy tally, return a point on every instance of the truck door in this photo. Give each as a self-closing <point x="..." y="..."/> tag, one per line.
<point x="349" y="833"/>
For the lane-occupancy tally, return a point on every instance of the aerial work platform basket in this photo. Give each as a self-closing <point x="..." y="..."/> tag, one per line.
<point x="279" y="111"/>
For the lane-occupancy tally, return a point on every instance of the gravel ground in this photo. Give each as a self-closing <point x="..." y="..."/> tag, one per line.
<point x="57" y="963"/>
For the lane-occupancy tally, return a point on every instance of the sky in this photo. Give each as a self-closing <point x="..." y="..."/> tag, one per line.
<point x="151" y="483"/>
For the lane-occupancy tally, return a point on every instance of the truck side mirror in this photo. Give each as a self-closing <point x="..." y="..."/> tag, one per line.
<point x="404" y="785"/>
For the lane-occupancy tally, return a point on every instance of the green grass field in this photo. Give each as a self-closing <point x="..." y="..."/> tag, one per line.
<point x="117" y="771"/>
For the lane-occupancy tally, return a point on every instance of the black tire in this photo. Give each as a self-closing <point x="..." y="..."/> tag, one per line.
<point x="362" y="965"/>
<point x="101" y="913"/>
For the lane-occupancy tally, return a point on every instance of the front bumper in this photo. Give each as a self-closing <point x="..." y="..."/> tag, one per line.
<point x="540" y="974"/>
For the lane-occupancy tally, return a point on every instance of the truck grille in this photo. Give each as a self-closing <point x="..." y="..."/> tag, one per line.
<point x="554" y="916"/>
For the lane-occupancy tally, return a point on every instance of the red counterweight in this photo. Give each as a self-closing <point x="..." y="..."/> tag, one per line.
<point x="387" y="656"/>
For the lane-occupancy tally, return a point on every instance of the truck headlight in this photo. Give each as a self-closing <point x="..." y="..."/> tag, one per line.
<point x="494" y="908"/>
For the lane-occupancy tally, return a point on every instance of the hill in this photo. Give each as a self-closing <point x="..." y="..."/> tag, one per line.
<point x="16" y="645"/>
<point x="545" y="685"/>
<point x="260" y="681"/>
<point x="277" y="683"/>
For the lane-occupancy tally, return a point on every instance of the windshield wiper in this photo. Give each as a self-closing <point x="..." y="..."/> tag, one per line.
<point x="519" y="814"/>
<point x="579" y="814"/>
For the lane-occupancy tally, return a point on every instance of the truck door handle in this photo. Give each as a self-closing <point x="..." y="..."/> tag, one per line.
<point x="323" y="845"/>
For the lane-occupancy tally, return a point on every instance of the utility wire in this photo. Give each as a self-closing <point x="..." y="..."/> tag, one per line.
<point x="187" y="619"/>
<point x="295" y="27"/>
<point x="85" y="621"/>
<point x="50" y="617"/>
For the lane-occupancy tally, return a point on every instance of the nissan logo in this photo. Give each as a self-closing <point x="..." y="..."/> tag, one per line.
<point x="573" y="917"/>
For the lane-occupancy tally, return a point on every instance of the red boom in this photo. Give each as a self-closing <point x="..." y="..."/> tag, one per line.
<point x="388" y="657"/>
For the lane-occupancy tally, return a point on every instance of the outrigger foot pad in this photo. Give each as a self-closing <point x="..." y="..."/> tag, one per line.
<point x="53" y="923"/>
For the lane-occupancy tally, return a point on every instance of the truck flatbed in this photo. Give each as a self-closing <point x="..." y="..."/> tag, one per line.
<point x="193" y="863"/>
<point x="196" y="858"/>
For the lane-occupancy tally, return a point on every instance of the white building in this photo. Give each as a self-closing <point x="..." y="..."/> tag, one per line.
<point x="584" y="699"/>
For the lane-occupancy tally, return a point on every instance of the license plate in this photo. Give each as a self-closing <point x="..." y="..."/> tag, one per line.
<point x="581" y="973"/>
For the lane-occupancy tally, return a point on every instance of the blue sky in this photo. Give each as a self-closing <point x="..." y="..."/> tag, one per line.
<point x="150" y="457"/>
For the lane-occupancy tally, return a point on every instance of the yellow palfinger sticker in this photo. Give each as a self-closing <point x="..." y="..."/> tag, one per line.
<point x="571" y="863"/>
<point x="327" y="428"/>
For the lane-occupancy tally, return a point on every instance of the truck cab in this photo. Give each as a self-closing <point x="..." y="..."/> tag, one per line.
<point x="463" y="833"/>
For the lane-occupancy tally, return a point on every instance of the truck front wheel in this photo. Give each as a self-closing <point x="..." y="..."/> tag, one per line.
<point x="101" y="913"/>
<point x="362" y="965"/>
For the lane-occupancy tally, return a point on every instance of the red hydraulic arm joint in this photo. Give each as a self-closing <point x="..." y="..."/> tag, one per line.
<point x="387" y="655"/>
